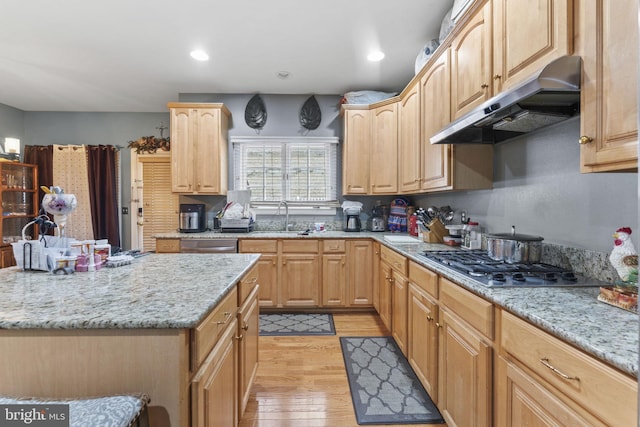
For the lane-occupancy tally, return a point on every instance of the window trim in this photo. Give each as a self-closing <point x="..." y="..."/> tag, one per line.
<point x="306" y="207"/>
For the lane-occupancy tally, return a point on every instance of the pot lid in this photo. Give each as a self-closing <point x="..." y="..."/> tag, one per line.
<point x="518" y="237"/>
<point x="514" y="236"/>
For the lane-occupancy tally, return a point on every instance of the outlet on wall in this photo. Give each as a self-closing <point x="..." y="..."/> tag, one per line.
<point x="125" y="211"/>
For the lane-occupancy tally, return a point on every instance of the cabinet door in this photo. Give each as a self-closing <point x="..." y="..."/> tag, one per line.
<point x="527" y="35"/>
<point x="409" y="141"/>
<point x="383" y="172"/>
<point x="6" y="257"/>
<point x="385" y="281"/>
<point x="609" y="100"/>
<point x="214" y="388"/>
<point x="464" y="380"/>
<point x="422" y="345"/>
<point x="209" y="151"/>
<point x="248" y="323"/>
<point x="471" y="62"/>
<point x="523" y="401"/>
<point x="360" y="273"/>
<point x="268" y="280"/>
<point x="435" y="92"/>
<point x="376" y="276"/>
<point x="334" y="280"/>
<point x="182" y="149"/>
<point x="355" y="154"/>
<point x="400" y="290"/>
<point x="299" y="283"/>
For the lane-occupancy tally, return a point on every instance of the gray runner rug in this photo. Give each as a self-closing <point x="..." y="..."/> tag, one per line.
<point x="296" y="324"/>
<point x="384" y="388"/>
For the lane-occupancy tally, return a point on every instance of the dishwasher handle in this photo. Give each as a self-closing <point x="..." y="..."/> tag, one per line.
<point x="209" y="246"/>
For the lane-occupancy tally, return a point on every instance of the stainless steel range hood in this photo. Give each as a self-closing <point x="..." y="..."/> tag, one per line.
<point x="550" y="96"/>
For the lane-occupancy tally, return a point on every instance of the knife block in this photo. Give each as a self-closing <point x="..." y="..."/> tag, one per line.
<point x="436" y="232"/>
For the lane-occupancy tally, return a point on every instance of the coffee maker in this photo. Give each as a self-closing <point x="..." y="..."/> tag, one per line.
<point x="352" y="219"/>
<point x="192" y="218"/>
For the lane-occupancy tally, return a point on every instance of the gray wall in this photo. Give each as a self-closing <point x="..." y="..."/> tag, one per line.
<point x="538" y="186"/>
<point x="44" y="128"/>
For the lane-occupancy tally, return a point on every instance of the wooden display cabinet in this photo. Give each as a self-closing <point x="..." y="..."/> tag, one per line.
<point x="19" y="196"/>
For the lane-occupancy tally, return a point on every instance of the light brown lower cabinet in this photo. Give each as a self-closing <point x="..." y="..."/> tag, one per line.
<point x="384" y="293"/>
<point x="399" y="296"/>
<point x="543" y="381"/>
<point x="267" y="267"/>
<point x="423" y="326"/>
<point x="465" y="357"/>
<point x="214" y="387"/>
<point x="299" y="276"/>
<point x="247" y="336"/>
<point x="360" y="275"/>
<point x="167" y="246"/>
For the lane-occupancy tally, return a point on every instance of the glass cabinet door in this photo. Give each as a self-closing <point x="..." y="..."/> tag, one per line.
<point x="19" y="197"/>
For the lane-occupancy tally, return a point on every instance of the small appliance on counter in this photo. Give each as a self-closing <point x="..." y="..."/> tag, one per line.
<point x="378" y="221"/>
<point x="352" y="220"/>
<point x="192" y="218"/>
<point x="351" y="212"/>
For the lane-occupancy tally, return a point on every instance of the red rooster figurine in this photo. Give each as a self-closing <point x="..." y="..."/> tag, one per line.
<point x="623" y="256"/>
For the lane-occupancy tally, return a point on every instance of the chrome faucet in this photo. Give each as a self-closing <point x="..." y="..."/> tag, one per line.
<point x="286" y="210"/>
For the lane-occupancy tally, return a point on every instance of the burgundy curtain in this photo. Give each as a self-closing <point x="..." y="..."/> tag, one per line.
<point x="103" y="192"/>
<point x="42" y="156"/>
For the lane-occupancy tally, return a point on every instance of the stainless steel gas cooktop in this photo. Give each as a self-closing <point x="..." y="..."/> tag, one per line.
<point x="477" y="265"/>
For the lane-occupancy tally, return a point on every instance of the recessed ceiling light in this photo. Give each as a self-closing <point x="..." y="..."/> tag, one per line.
<point x="283" y="74"/>
<point x="375" y="56"/>
<point x="199" y="55"/>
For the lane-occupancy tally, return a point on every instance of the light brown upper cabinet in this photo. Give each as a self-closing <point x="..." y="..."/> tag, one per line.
<point x="504" y="42"/>
<point x="355" y="149"/>
<point x="608" y="43"/>
<point x="527" y="35"/>
<point x="409" y="139"/>
<point x="199" y="148"/>
<point x="448" y="167"/>
<point x="383" y="173"/>
<point x="435" y="89"/>
<point x="471" y="80"/>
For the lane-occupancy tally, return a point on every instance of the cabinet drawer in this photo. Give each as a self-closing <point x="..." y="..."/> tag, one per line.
<point x="394" y="259"/>
<point x="207" y="333"/>
<point x="259" y="246"/>
<point x="426" y="279"/>
<point x="333" y="246"/>
<point x="246" y="285"/>
<point x="474" y="310"/>
<point x="167" y="245"/>
<point x="603" y="391"/>
<point x="300" y="246"/>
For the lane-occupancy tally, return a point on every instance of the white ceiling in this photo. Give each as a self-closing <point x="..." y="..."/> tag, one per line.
<point x="133" y="55"/>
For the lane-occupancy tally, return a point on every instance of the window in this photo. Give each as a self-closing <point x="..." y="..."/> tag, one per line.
<point x="302" y="171"/>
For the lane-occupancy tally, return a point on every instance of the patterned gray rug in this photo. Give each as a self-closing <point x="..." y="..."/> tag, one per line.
<point x="296" y="324"/>
<point x="384" y="388"/>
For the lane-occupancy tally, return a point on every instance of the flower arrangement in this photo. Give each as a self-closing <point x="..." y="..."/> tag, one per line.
<point x="150" y="144"/>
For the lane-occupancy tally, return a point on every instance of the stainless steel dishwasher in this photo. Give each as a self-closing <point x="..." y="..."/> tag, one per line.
<point x="209" y="246"/>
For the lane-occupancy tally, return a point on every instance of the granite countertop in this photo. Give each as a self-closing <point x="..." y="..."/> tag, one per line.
<point x="572" y="314"/>
<point x="155" y="291"/>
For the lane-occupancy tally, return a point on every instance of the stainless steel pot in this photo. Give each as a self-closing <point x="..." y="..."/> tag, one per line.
<point x="514" y="248"/>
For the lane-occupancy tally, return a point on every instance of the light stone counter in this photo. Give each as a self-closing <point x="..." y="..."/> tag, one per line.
<point x="572" y="314"/>
<point x="155" y="291"/>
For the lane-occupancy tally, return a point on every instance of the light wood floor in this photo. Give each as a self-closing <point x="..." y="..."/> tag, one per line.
<point x="301" y="381"/>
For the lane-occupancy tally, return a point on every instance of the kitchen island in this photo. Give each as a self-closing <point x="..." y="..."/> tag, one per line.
<point x="116" y="330"/>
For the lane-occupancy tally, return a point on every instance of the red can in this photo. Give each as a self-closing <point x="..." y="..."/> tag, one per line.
<point x="413" y="225"/>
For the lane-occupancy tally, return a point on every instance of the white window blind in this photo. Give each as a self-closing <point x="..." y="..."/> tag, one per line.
<point x="298" y="170"/>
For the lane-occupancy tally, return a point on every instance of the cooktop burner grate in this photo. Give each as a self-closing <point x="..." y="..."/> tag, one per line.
<point x="489" y="272"/>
